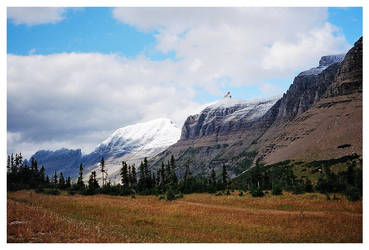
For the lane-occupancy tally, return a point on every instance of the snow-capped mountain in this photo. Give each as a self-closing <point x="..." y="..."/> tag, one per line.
<point x="324" y="63"/>
<point x="157" y="133"/>
<point x="226" y="115"/>
<point x="131" y="144"/>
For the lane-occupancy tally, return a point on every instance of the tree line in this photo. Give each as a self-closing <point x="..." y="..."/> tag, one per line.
<point x="165" y="183"/>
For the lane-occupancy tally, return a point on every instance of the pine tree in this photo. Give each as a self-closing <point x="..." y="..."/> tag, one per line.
<point x="102" y="164"/>
<point x="129" y="175"/>
<point x="80" y="182"/>
<point x="225" y="177"/>
<point x="162" y="174"/>
<point x="55" y="179"/>
<point x="8" y="164"/>
<point x="42" y="174"/>
<point x="68" y="183"/>
<point x="173" y="175"/>
<point x="141" y="181"/>
<point x="134" y="175"/>
<point x="61" y="181"/>
<point x="124" y="174"/>
<point x="92" y="182"/>
<point x="168" y="173"/>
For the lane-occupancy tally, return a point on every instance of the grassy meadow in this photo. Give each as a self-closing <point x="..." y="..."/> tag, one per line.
<point x="310" y="217"/>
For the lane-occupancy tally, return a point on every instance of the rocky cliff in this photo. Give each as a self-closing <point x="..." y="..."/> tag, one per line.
<point x="334" y="118"/>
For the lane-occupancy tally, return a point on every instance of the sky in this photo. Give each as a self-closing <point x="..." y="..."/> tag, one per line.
<point x="77" y="74"/>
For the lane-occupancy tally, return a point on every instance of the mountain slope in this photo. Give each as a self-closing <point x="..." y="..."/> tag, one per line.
<point x="219" y="134"/>
<point x="131" y="143"/>
<point x="333" y="121"/>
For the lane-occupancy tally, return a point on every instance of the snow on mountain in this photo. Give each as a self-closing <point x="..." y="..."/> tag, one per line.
<point x="132" y="144"/>
<point x="225" y="115"/>
<point x="324" y="63"/>
<point x="157" y="133"/>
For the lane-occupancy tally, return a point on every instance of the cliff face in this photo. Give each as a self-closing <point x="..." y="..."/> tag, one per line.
<point x="308" y="88"/>
<point x="225" y="117"/>
<point x="334" y="118"/>
<point x="349" y="78"/>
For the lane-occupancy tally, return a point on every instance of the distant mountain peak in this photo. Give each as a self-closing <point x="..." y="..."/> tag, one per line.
<point x="160" y="132"/>
<point x="324" y="62"/>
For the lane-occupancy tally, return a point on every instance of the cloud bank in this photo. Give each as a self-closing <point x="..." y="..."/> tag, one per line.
<point x="35" y="15"/>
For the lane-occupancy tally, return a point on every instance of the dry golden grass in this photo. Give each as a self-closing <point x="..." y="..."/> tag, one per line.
<point x="195" y="218"/>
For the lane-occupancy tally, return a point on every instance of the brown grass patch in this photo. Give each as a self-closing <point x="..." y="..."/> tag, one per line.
<point x="196" y="218"/>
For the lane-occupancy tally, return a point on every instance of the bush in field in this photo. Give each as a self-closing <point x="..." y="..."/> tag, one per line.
<point x="277" y="189"/>
<point x="170" y="194"/>
<point x="51" y="191"/>
<point x="257" y="192"/>
<point x="352" y="193"/>
<point x="308" y="186"/>
<point x="72" y="192"/>
<point x="299" y="188"/>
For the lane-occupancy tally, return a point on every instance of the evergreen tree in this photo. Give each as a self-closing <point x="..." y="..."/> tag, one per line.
<point x="124" y="175"/>
<point x="55" y="179"/>
<point x="80" y="183"/>
<point x="42" y="174"/>
<point x="134" y="176"/>
<point x="61" y="181"/>
<point x="129" y="175"/>
<point x="225" y="177"/>
<point x="103" y="171"/>
<point x="162" y="174"/>
<point x="141" y="181"/>
<point x="68" y="183"/>
<point x="93" y="185"/>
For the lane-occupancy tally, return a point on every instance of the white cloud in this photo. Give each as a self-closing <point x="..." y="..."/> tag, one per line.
<point x="79" y="99"/>
<point x="270" y="89"/>
<point x="35" y="15"/>
<point x="246" y="44"/>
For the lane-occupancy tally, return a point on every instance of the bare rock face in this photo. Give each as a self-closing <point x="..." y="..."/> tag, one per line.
<point x="334" y="118"/>
<point x="307" y="88"/>
<point x="349" y="77"/>
<point x="225" y="117"/>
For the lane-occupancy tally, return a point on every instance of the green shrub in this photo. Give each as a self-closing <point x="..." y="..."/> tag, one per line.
<point x="170" y="194"/>
<point x="51" y="191"/>
<point x="257" y="192"/>
<point x="72" y="192"/>
<point x="277" y="189"/>
<point x="352" y="193"/>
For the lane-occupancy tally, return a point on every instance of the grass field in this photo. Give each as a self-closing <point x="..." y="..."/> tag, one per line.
<point x="33" y="217"/>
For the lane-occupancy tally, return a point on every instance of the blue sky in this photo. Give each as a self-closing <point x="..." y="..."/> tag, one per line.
<point x="153" y="62"/>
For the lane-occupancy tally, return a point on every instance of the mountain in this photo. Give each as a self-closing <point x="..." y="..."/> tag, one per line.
<point x="319" y="113"/>
<point x="65" y="160"/>
<point x="334" y="119"/>
<point x="219" y="133"/>
<point x="131" y="144"/>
